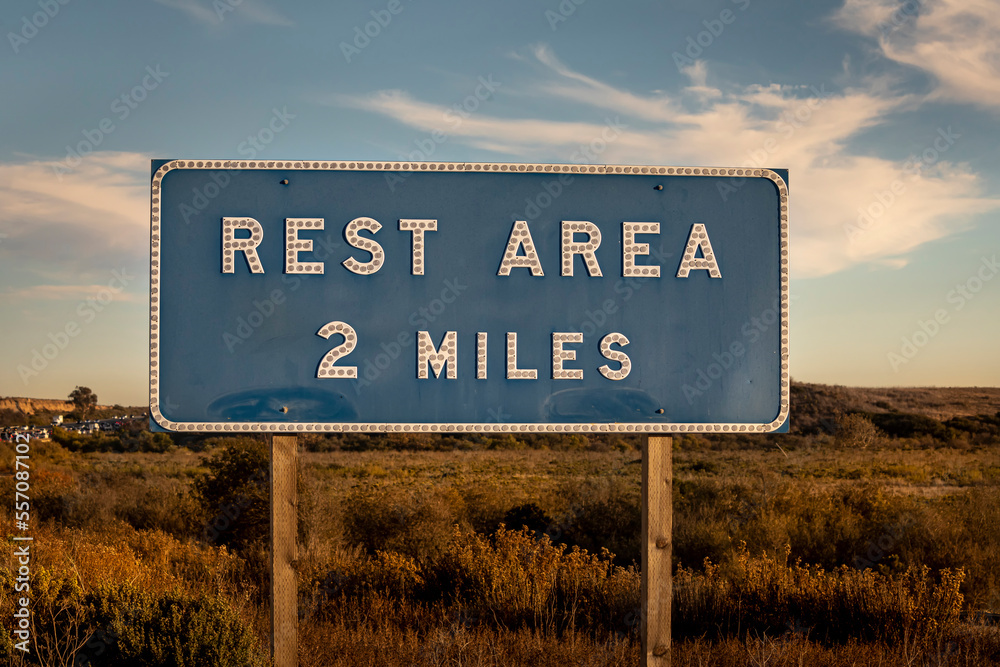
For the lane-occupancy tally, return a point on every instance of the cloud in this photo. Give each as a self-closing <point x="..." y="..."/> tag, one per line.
<point x="258" y="12"/>
<point x="954" y="40"/>
<point x="77" y="229"/>
<point x="196" y="10"/>
<point x="836" y="194"/>
<point x="512" y="136"/>
<point x="66" y="293"/>
<point x="204" y="12"/>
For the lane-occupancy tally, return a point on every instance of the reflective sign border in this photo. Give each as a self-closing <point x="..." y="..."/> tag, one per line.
<point x="389" y="427"/>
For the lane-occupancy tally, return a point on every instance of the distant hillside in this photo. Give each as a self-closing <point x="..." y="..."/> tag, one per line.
<point x="814" y="404"/>
<point x="30" y="406"/>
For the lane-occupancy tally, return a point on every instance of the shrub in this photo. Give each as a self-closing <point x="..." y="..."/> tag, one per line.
<point x="856" y="430"/>
<point x="144" y="501"/>
<point x="139" y="628"/>
<point x="418" y="526"/>
<point x="126" y="625"/>
<point x="88" y="587"/>
<point x="359" y="576"/>
<point x="528" y="515"/>
<point x="980" y="430"/>
<point x="518" y="581"/>
<point x="485" y="503"/>
<point x="906" y="425"/>
<point x="605" y="516"/>
<point x="127" y="440"/>
<point x="49" y="489"/>
<point x="145" y="441"/>
<point x="762" y="595"/>
<point x="71" y="440"/>
<point x="234" y="493"/>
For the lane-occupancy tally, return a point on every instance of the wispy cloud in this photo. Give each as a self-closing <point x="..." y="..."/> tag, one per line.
<point x="214" y="13"/>
<point x="65" y="293"/>
<point x="258" y="12"/>
<point x="511" y="136"/>
<point x="76" y="229"/>
<point x="954" y="40"/>
<point x="193" y="8"/>
<point x="806" y="128"/>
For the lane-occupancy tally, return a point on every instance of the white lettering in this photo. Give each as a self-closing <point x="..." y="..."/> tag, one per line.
<point x="630" y="249"/>
<point x="585" y="249"/>
<point x="361" y="243"/>
<point x="294" y="245"/>
<point x="520" y="235"/>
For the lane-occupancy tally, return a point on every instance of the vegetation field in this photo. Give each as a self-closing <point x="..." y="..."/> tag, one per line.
<point x="867" y="536"/>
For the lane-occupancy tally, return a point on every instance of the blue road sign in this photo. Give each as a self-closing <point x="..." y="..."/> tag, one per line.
<point x="376" y="296"/>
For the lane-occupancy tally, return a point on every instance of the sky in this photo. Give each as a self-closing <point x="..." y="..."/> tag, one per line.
<point x="885" y="113"/>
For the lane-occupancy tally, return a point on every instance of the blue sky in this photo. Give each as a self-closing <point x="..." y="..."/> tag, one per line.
<point x="886" y="114"/>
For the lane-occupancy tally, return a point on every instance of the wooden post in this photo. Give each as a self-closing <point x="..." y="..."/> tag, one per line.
<point x="284" y="553"/>
<point x="657" y="528"/>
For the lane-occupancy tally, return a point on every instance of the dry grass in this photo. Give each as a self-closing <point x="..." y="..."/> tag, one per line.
<point x="403" y="561"/>
<point x="453" y="642"/>
<point x="116" y="591"/>
<point x="510" y="608"/>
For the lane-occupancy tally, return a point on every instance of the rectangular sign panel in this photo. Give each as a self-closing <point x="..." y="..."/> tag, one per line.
<point x="387" y="296"/>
